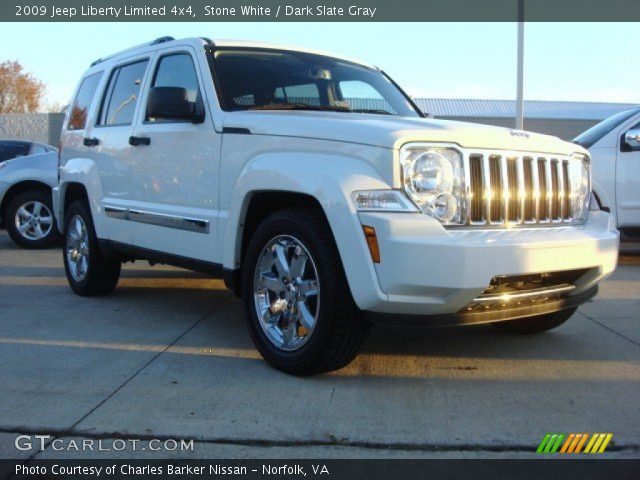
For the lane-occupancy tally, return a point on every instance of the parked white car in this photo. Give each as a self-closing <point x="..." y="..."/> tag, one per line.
<point x="26" y="208"/>
<point x="614" y="146"/>
<point x="322" y="195"/>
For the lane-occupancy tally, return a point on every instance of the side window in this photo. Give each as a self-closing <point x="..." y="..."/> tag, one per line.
<point x="176" y="70"/>
<point x="121" y="97"/>
<point x="80" y="109"/>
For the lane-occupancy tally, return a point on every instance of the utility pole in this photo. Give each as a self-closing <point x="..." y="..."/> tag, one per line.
<point x="520" y="80"/>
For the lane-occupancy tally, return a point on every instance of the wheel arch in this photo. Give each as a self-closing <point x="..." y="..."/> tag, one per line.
<point x="290" y="179"/>
<point x="20" y="187"/>
<point x="79" y="177"/>
<point x="257" y="206"/>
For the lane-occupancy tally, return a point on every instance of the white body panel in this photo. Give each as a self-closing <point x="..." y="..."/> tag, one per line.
<point x="204" y="174"/>
<point x="616" y="175"/>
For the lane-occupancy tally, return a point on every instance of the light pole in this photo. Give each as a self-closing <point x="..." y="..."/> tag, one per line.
<point x="520" y="79"/>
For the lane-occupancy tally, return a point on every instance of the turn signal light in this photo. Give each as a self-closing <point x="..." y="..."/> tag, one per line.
<point x="372" y="242"/>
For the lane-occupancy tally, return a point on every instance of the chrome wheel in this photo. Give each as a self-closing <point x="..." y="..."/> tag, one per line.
<point x="77" y="248"/>
<point x="34" y="220"/>
<point x="286" y="292"/>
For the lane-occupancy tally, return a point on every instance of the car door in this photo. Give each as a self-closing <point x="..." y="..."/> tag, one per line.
<point x="175" y="169"/>
<point x="628" y="176"/>
<point x="108" y="141"/>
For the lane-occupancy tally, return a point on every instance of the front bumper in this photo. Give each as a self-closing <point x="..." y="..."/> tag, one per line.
<point x="426" y="270"/>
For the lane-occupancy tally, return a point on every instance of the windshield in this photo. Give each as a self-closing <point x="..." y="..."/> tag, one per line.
<point x="260" y="79"/>
<point x="595" y="133"/>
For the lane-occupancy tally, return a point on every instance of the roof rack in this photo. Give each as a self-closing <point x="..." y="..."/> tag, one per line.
<point x="147" y="44"/>
<point x="162" y="40"/>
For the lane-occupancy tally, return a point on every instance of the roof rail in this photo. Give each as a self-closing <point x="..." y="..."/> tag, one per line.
<point x="153" y="42"/>
<point x="162" y="40"/>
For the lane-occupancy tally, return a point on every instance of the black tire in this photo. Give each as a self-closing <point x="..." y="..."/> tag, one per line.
<point x="340" y="328"/>
<point x="29" y="238"/>
<point x="101" y="274"/>
<point x="537" y="324"/>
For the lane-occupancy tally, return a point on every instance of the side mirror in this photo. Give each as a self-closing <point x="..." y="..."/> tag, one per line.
<point x="172" y="103"/>
<point x="632" y="139"/>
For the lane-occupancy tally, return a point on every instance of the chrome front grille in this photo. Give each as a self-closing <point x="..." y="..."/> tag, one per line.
<point x="517" y="189"/>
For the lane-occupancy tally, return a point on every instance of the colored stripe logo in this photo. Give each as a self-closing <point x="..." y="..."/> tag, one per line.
<point x="574" y="443"/>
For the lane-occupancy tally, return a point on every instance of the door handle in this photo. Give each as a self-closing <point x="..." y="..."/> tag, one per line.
<point x="90" y="142"/>
<point x="136" y="141"/>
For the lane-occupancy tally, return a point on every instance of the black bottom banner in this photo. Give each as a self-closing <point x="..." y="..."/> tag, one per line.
<point x="618" y="469"/>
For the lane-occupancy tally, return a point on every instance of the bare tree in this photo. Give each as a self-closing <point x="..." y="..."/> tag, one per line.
<point x="20" y="91"/>
<point x="54" y="107"/>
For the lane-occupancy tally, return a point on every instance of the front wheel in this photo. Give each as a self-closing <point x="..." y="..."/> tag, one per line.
<point x="88" y="271"/>
<point x="298" y="305"/>
<point x="30" y="221"/>
<point x="537" y="324"/>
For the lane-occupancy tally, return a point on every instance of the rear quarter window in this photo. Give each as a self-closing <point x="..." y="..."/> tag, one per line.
<point x="82" y="102"/>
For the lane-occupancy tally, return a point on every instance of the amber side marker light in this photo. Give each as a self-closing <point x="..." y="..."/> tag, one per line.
<point x="372" y="242"/>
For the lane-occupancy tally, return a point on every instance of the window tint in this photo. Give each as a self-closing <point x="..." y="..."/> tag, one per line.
<point x="122" y="95"/>
<point x="11" y="150"/>
<point x="287" y="80"/>
<point x="80" y="109"/>
<point x="177" y="70"/>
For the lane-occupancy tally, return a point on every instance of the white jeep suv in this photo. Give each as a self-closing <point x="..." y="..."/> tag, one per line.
<point x="321" y="194"/>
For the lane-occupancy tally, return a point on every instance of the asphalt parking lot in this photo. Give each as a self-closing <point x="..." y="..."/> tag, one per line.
<point x="168" y="356"/>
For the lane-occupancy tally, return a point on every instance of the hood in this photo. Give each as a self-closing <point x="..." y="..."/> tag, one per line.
<point x="389" y="131"/>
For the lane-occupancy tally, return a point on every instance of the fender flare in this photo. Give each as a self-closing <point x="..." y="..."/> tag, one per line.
<point x="330" y="179"/>
<point x="83" y="171"/>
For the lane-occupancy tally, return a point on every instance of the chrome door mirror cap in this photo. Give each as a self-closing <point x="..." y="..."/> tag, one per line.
<point x="632" y="138"/>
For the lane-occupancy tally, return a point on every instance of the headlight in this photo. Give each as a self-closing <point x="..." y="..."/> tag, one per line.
<point x="579" y="186"/>
<point x="433" y="178"/>
<point x="382" y="201"/>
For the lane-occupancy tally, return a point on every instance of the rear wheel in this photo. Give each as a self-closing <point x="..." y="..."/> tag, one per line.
<point x="537" y="324"/>
<point x="88" y="271"/>
<point x="298" y="305"/>
<point x="29" y="220"/>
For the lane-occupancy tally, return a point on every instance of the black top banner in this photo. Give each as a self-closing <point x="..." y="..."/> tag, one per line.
<point x="319" y="11"/>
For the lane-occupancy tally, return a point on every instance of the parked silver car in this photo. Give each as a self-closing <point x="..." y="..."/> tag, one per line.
<point x="25" y="197"/>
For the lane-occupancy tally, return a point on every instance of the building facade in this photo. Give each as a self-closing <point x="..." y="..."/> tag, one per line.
<point x="35" y="127"/>
<point x="561" y="119"/>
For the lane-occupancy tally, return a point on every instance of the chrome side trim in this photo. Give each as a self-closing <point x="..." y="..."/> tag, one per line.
<point x="116" y="212"/>
<point x="161" y="220"/>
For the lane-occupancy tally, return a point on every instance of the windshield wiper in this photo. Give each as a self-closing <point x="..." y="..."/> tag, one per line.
<point x="299" y="106"/>
<point x="371" y="110"/>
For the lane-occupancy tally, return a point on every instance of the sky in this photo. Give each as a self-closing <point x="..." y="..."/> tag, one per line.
<point x="563" y="61"/>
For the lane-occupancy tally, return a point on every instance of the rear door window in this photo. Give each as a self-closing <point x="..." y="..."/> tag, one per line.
<point x="122" y="94"/>
<point x="80" y="109"/>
